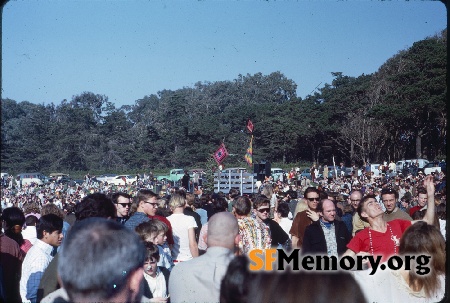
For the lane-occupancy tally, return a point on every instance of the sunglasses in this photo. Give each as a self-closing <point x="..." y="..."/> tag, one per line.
<point x="153" y="204"/>
<point x="313" y="199"/>
<point x="125" y="204"/>
<point x="264" y="210"/>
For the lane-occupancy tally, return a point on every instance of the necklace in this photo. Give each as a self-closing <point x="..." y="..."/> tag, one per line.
<point x="393" y="238"/>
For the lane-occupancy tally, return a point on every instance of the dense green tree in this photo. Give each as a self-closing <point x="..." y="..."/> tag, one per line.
<point x="397" y="112"/>
<point x="410" y="93"/>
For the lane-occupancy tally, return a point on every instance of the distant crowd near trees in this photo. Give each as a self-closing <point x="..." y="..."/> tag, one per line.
<point x="397" y="112"/>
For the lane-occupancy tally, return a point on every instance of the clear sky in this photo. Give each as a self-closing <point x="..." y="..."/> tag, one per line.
<point x="53" y="50"/>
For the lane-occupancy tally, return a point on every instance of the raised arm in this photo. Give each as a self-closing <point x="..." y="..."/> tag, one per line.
<point x="428" y="183"/>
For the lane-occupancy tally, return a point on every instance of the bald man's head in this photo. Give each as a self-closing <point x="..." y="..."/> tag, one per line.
<point x="222" y="230"/>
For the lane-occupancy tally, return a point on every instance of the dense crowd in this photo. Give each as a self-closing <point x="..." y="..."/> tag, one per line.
<point x="186" y="245"/>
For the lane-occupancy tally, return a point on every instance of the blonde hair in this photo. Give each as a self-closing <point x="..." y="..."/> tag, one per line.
<point x="267" y="191"/>
<point x="151" y="229"/>
<point x="301" y="206"/>
<point x="177" y="200"/>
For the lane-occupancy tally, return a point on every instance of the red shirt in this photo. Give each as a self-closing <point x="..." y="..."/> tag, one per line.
<point x="414" y="209"/>
<point x="382" y="243"/>
<point x="26" y="245"/>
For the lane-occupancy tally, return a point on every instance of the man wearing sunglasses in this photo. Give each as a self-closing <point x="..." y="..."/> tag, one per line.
<point x="261" y="208"/>
<point x="122" y="201"/>
<point x="306" y="217"/>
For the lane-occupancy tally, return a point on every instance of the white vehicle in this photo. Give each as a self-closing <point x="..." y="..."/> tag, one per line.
<point x="375" y="168"/>
<point x="59" y="176"/>
<point x="400" y="164"/>
<point x="6" y="175"/>
<point x="106" y="178"/>
<point x="432" y="167"/>
<point x="29" y="178"/>
<point x="276" y="173"/>
<point x="123" y="180"/>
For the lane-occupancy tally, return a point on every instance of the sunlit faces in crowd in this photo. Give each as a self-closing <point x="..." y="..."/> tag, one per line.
<point x="54" y="238"/>
<point x="312" y="199"/>
<point x="263" y="211"/>
<point x="389" y="202"/>
<point x="150" y="266"/>
<point x="422" y="199"/>
<point x="150" y="206"/>
<point x="328" y="211"/>
<point x="159" y="239"/>
<point x="123" y="206"/>
<point x="370" y="208"/>
<point x="355" y="198"/>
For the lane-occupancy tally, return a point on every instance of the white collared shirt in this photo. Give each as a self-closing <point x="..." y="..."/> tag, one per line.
<point x="33" y="267"/>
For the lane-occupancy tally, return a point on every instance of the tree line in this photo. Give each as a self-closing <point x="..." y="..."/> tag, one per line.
<point x="397" y="112"/>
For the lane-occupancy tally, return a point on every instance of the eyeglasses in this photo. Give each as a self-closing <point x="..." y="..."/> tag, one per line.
<point x="264" y="210"/>
<point x="153" y="204"/>
<point x="125" y="204"/>
<point x="313" y="199"/>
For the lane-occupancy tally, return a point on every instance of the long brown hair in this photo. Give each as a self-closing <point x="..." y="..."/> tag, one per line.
<point x="422" y="238"/>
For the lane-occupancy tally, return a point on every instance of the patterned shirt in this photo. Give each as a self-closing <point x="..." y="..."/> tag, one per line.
<point x="254" y="235"/>
<point x="330" y="238"/>
<point x="33" y="267"/>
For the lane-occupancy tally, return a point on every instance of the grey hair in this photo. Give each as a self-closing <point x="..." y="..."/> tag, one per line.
<point x="97" y="258"/>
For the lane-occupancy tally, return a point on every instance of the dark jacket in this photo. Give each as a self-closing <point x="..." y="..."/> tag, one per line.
<point x="314" y="239"/>
<point x="277" y="234"/>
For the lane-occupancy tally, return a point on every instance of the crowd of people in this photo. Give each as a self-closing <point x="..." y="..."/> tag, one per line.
<point x="132" y="243"/>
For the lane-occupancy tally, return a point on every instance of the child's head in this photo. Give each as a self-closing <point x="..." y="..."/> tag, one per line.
<point x="151" y="259"/>
<point x="153" y="231"/>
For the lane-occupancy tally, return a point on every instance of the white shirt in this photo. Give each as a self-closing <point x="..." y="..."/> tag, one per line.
<point x="157" y="284"/>
<point x="286" y="224"/>
<point x="33" y="267"/>
<point x="180" y="226"/>
<point x="389" y="286"/>
<point x="29" y="233"/>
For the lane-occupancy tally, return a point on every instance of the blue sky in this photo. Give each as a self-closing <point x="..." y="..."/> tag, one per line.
<point x="53" y="50"/>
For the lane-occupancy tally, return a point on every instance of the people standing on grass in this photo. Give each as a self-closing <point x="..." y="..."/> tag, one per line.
<point x="368" y="214"/>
